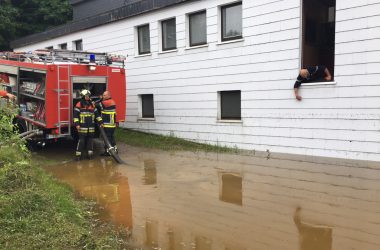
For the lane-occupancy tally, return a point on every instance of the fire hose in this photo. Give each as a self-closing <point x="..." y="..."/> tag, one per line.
<point x="30" y="133"/>
<point x="111" y="150"/>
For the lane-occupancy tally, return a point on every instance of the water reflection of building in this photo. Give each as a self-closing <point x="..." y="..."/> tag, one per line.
<point x="312" y="237"/>
<point x="191" y="206"/>
<point x="150" y="171"/>
<point x="100" y="181"/>
<point x="194" y="205"/>
<point x="151" y="232"/>
<point x="231" y="188"/>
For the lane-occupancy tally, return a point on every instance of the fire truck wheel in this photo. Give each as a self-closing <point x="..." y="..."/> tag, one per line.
<point x="19" y="126"/>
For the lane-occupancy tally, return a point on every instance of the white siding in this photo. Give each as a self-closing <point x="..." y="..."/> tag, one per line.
<point x="340" y="120"/>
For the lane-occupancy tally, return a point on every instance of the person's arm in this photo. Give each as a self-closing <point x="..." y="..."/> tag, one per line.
<point x="76" y="116"/>
<point x="327" y="75"/>
<point x="4" y="93"/>
<point x="98" y="117"/>
<point x="297" y="85"/>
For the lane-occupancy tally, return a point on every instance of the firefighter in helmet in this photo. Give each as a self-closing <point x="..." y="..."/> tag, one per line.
<point x="85" y="116"/>
<point x="107" y="108"/>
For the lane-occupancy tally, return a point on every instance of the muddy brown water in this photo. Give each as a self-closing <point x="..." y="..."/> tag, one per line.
<point x="204" y="201"/>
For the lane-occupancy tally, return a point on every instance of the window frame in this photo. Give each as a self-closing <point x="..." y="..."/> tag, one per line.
<point x="190" y="26"/>
<point x="139" y="51"/>
<point x="163" y="36"/>
<point x="305" y="39"/>
<point x="142" y="116"/>
<point x="60" y="46"/>
<point x="222" y="17"/>
<point x="76" y="44"/>
<point x="220" y="115"/>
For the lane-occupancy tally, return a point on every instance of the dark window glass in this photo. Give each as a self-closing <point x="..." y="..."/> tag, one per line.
<point x="50" y="47"/>
<point x="147" y="106"/>
<point x="232" y="24"/>
<point x="78" y="45"/>
<point x="63" y="46"/>
<point x="169" y="39"/>
<point x="318" y="34"/>
<point x="198" y="28"/>
<point x="143" y="39"/>
<point x="230" y="105"/>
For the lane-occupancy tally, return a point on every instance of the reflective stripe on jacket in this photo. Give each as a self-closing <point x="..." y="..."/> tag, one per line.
<point x="85" y="114"/>
<point x="108" y="112"/>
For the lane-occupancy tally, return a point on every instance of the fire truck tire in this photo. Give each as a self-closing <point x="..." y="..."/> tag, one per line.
<point x="20" y="125"/>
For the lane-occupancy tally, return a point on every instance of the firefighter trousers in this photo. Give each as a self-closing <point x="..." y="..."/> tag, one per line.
<point x="85" y="143"/>
<point x="110" y="135"/>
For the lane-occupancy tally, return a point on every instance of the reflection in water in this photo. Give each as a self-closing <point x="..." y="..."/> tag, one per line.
<point x="99" y="180"/>
<point x="151" y="230"/>
<point x="312" y="237"/>
<point x="150" y="171"/>
<point x="185" y="211"/>
<point x="174" y="240"/>
<point x="202" y="243"/>
<point x="103" y="194"/>
<point x="230" y="188"/>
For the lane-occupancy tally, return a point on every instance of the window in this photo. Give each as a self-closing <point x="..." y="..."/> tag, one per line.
<point x="147" y="106"/>
<point x="197" y="28"/>
<point x="63" y="46"/>
<point x="230" y="105"/>
<point x="169" y="39"/>
<point x="143" y="37"/>
<point x="50" y="47"/>
<point x="232" y="24"/>
<point x="318" y="33"/>
<point x="78" y="45"/>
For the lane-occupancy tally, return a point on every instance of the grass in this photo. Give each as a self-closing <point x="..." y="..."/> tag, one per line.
<point x="37" y="212"/>
<point x="140" y="139"/>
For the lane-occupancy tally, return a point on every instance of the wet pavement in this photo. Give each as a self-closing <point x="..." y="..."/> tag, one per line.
<point x="204" y="201"/>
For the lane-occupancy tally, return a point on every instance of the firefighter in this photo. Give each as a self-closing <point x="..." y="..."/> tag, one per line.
<point x="107" y="107"/>
<point x="85" y="115"/>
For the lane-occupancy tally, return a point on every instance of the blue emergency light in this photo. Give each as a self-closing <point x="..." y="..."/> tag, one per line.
<point x="92" y="58"/>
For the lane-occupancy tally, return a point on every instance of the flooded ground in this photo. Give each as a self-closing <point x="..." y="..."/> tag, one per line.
<point x="204" y="201"/>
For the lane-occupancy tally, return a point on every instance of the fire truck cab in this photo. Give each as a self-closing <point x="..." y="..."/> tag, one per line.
<point x="47" y="84"/>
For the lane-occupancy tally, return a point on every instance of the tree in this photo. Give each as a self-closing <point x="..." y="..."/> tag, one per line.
<point x="8" y="24"/>
<point x="25" y="17"/>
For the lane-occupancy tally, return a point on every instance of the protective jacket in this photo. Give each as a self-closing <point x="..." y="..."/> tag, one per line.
<point x="85" y="114"/>
<point x="3" y="93"/>
<point x="108" y="113"/>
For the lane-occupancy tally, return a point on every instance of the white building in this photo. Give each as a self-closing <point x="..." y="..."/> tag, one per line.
<point x="222" y="71"/>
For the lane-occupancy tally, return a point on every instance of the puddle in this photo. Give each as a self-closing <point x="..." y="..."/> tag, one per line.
<point x="183" y="200"/>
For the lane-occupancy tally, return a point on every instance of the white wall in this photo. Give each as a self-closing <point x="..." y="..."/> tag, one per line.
<point x="340" y="120"/>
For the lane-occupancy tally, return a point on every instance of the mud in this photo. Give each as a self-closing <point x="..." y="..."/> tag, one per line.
<point x="186" y="200"/>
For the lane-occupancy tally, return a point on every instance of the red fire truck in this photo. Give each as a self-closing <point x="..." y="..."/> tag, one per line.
<point x="47" y="84"/>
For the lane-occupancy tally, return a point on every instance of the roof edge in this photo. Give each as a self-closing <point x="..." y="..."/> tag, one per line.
<point x="74" y="2"/>
<point x="132" y="9"/>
